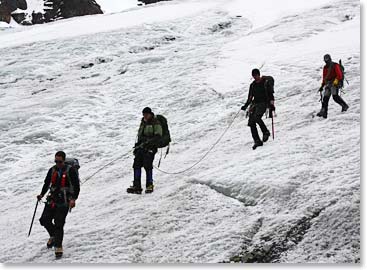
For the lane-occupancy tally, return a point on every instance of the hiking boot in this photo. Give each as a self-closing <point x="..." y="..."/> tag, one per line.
<point x="322" y="113"/>
<point x="51" y="242"/>
<point x="345" y="108"/>
<point x="134" y="190"/>
<point x="257" y="143"/>
<point x="149" y="188"/>
<point x="266" y="136"/>
<point x="58" y="252"/>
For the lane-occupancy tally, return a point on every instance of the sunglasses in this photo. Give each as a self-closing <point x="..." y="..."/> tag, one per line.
<point x="59" y="161"/>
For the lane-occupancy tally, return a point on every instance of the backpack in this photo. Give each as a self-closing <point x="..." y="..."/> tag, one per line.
<point x="73" y="162"/>
<point x="341" y="82"/>
<point x="166" y="136"/>
<point x="269" y="82"/>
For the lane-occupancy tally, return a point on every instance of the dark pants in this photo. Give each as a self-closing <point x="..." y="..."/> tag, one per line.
<point x="256" y="113"/>
<point x="143" y="158"/>
<point x="56" y="229"/>
<point x="331" y="90"/>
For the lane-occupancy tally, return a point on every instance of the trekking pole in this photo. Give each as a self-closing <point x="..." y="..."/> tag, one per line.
<point x="263" y="64"/>
<point x="35" y="210"/>
<point x="346" y="79"/>
<point x="160" y="159"/>
<point x="272" y="125"/>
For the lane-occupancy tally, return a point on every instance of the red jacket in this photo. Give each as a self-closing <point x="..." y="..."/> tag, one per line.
<point x="335" y="73"/>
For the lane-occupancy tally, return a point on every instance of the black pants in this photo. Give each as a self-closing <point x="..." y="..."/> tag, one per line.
<point x="331" y="91"/>
<point x="143" y="158"/>
<point x="55" y="229"/>
<point x="256" y="113"/>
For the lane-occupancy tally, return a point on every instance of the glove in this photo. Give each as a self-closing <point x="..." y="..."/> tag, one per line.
<point x="39" y="197"/>
<point x="321" y="88"/>
<point x="271" y="106"/>
<point x="136" y="147"/>
<point x="244" y="107"/>
<point x="336" y="82"/>
<point x="149" y="145"/>
<point x="72" y="203"/>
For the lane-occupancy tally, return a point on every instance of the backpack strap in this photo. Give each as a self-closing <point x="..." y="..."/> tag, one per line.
<point x="153" y="124"/>
<point x="52" y="174"/>
<point x="167" y="151"/>
<point x="63" y="189"/>
<point x="71" y="187"/>
<point x="266" y="92"/>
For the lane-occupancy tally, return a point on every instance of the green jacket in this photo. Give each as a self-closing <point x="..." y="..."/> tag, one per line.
<point x="150" y="132"/>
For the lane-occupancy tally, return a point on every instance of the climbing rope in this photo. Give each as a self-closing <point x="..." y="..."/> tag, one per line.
<point x="179" y="172"/>
<point x="206" y="154"/>
<point x="105" y="166"/>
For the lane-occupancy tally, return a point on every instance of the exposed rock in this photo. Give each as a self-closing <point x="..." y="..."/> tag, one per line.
<point x="22" y="4"/>
<point x="5" y="14"/>
<point x="269" y="250"/>
<point x="13" y="5"/>
<point x="58" y="9"/>
<point x="37" y="18"/>
<point x="8" y="6"/>
<point x="53" y="10"/>
<point x="221" y="26"/>
<point x="73" y="8"/>
<point x="89" y="65"/>
<point x="18" y="17"/>
<point x="147" y="2"/>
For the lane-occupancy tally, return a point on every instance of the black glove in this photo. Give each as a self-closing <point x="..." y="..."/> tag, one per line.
<point x="137" y="146"/>
<point x="149" y="145"/>
<point x="244" y="107"/>
<point x="321" y="88"/>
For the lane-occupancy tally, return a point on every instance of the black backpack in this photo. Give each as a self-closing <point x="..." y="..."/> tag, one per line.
<point x="73" y="162"/>
<point x="341" y="82"/>
<point x="166" y="136"/>
<point x="269" y="82"/>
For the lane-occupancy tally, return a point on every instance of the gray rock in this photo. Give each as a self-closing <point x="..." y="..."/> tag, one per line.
<point x="147" y="2"/>
<point x="8" y="6"/>
<point x="53" y="10"/>
<point x="19" y="17"/>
